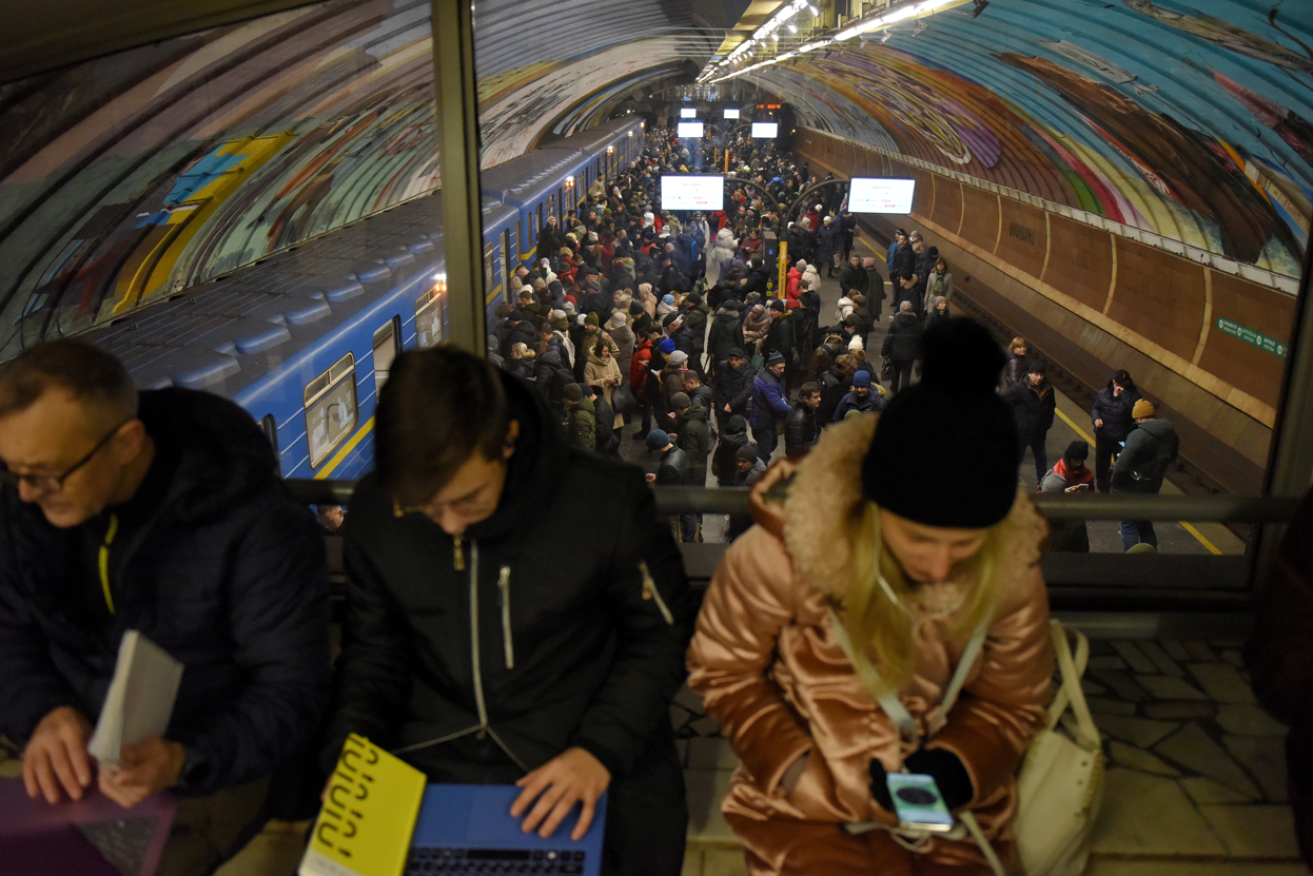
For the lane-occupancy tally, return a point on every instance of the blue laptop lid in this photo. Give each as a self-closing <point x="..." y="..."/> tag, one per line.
<point x="474" y="823"/>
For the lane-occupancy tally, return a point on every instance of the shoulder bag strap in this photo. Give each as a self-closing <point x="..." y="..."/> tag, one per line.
<point x="1073" y="667"/>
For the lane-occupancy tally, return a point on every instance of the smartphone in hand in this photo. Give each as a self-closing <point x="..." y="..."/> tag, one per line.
<point x="918" y="803"/>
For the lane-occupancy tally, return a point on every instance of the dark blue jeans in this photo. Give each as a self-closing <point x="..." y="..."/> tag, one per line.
<point x="1138" y="532"/>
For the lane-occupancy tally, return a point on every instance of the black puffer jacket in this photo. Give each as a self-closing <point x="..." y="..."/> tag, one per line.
<point x="903" y="343"/>
<point x="733" y="387"/>
<point x="1032" y="408"/>
<point x="228" y="576"/>
<point x="800" y="430"/>
<point x="571" y="644"/>
<point x="726" y="334"/>
<point x="723" y="462"/>
<point x="1115" y="411"/>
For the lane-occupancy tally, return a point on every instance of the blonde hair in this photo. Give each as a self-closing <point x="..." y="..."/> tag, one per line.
<point x="886" y="629"/>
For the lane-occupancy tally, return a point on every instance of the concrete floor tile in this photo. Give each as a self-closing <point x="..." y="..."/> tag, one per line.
<point x="1179" y="711"/>
<point x="1134" y="758"/>
<point x="1203" y="791"/>
<point x="1254" y="831"/>
<point x="1119" y="866"/>
<point x="1166" y="665"/>
<point x="706" y="788"/>
<point x="1150" y="815"/>
<point x="1235" y="657"/>
<point x="711" y="754"/>
<point x="692" y="862"/>
<point x="1165" y="687"/>
<point x="1103" y="706"/>
<point x="724" y="862"/>
<point x="1111" y="661"/>
<point x="1265" y="758"/>
<point x="1175" y="650"/>
<point x="1248" y="719"/>
<point x="1140" y="732"/>
<point x="270" y="853"/>
<point x="1223" y="683"/>
<point x="1130" y="652"/>
<point x="1191" y="748"/>
<point x="1122" y="683"/>
<point x="1199" y="651"/>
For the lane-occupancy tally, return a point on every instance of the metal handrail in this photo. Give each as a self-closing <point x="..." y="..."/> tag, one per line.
<point x="1122" y="506"/>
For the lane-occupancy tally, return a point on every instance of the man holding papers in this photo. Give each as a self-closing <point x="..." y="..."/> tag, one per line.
<point x="516" y="613"/>
<point x="159" y="512"/>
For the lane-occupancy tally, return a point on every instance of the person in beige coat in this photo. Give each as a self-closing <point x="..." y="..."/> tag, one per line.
<point x="910" y="560"/>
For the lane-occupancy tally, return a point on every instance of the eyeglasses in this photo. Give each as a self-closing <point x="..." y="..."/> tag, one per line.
<point x="48" y="483"/>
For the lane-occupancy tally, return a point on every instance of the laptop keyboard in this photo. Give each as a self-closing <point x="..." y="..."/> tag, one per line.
<point x="426" y="859"/>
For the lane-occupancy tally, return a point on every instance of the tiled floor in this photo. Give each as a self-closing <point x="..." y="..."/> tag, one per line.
<point x="1195" y="781"/>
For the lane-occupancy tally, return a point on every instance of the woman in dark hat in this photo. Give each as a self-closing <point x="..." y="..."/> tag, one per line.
<point x="905" y="563"/>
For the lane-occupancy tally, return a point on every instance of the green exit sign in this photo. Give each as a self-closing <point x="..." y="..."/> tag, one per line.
<point x="1249" y="336"/>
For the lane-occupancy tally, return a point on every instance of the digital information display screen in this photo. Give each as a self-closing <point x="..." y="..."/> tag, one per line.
<point x="690" y="130"/>
<point x="688" y="112"/>
<point x="880" y="195"/>
<point x="692" y="192"/>
<point x="765" y="130"/>
<point x="731" y="114"/>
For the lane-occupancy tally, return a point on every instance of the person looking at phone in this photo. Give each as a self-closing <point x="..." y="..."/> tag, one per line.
<point x="1070" y="477"/>
<point x="905" y="562"/>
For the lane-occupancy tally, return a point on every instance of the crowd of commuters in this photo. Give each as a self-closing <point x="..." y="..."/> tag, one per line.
<point x="516" y="612"/>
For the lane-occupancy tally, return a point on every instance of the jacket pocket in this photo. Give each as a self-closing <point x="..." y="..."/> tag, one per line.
<point x="504" y="588"/>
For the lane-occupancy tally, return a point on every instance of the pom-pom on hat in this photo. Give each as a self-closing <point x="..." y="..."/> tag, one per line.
<point x="955" y="409"/>
<point x="1143" y="408"/>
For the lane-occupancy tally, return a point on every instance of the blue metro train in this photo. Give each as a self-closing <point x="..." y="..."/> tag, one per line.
<point x="303" y="339"/>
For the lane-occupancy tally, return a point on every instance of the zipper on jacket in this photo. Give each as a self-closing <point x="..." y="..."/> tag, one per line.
<point x="504" y="585"/>
<point x="458" y="554"/>
<point x="650" y="592"/>
<point x="474" y="638"/>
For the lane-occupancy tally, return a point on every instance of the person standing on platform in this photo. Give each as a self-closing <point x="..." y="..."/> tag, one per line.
<point x="801" y="428"/>
<point x="1033" y="404"/>
<point x="1113" y="422"/>
<point x="693" y="433"/>
<point x="159" y="511"/>
<point x="732" y="386"/>
<point x="875" y="294"/>
<point x="485" y="641"/>
<point x="861" y="398"/>
<point x="1141" y="466"/>
<point x="1070" y="477"/>
<point x="769" y="405"/>
<point x="902" y="346"/>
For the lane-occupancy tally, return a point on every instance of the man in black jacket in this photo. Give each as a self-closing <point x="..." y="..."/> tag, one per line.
<point x="1033" y="404"/>
<point x="902" y="346"/>
<point x="487" y="639"/>
<point x="1113" y="422"/>
<point x="160" y="512"/>
<point x="801" y="431"/>
<point x="732" y="385"/>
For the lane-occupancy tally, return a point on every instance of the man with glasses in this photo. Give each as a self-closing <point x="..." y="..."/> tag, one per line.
<point x="159" y="512"/>
<point x="516" y="613"/>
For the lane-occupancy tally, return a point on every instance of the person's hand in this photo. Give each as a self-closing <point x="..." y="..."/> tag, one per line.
<point x="572" y="777"/>
<point x="146" y="768"/>
<point x="56" y="756"/>
<point x="1075" y="488"/>
<point x="727" y="409"/>
<point x="1098" y="424"/>
<point x="651" y="478"/>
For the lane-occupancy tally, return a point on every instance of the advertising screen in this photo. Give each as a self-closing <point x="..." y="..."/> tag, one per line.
<point x="689" y="129"/>
<point x="731" y="114"/>
<point x="688" y="112"/>
<point x="765" y="130"/>
<point x="692" y="192"/>
<point x="881" y="195"/>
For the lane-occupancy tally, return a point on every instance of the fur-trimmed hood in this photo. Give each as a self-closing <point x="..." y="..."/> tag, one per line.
<point x="814" y="505"/>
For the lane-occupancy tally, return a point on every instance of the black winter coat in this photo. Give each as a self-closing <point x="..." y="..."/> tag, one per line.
<point x="834" y="385"/>
<point x="1031" y="408"/>
<point x="903" y="343"/>
<point x="695" y="440"/>
<point x="576" y="641"/>
<point x="726" y="334"/>
<point x="228" y="575"/>
<point x="733" y="387"/>
<point x="1115" y="411"/>
<point x="801" y="431"/>
<point x="724" y="460"/>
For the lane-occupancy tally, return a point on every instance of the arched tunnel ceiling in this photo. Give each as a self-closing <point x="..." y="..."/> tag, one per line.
<point x="1186" y="118"/>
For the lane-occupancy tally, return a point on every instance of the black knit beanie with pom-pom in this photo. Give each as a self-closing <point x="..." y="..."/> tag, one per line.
<point x="955" y="418"/>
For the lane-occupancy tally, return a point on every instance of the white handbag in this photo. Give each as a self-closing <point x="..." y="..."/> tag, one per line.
<point x="1060" y="785"/>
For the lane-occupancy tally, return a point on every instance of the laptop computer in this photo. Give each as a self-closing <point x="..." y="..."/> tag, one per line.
<point x="93" y="836"/>
<point x="469" y="829"/>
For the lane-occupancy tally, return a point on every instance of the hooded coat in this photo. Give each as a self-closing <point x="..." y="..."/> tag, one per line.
<point x="903" y="343"/>
<point x="1033" y="408"/>
<point x="720" y="255"/>
<point x="220" y="567"/>
<point x="1141" y="466"/>
<point x="725" y="334"/>
<point x="581" y="424"/>
<point x="770" y="669"/>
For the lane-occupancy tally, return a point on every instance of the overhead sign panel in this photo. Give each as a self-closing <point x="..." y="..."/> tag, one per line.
<point x="731" y="114"/>
<point x="765" y="130"/>
<point x="880" y="195"/>
<point x="690" y="130"/>
<point x="688" y="112"/>
<point x="692" y="192"/>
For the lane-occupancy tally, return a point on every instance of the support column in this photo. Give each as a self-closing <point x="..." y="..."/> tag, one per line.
<point x="456" y="96"/>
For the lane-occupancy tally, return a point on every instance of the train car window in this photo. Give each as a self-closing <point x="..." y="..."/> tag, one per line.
<point x="489" y="254"/>
<point x="386" y="347"/>
<point x="330" y="409"/>
<point x="551" y="205"/>
<point x="270" y="429"/>
<point x="505" y="263"/>
<point x="430" y="310"/>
